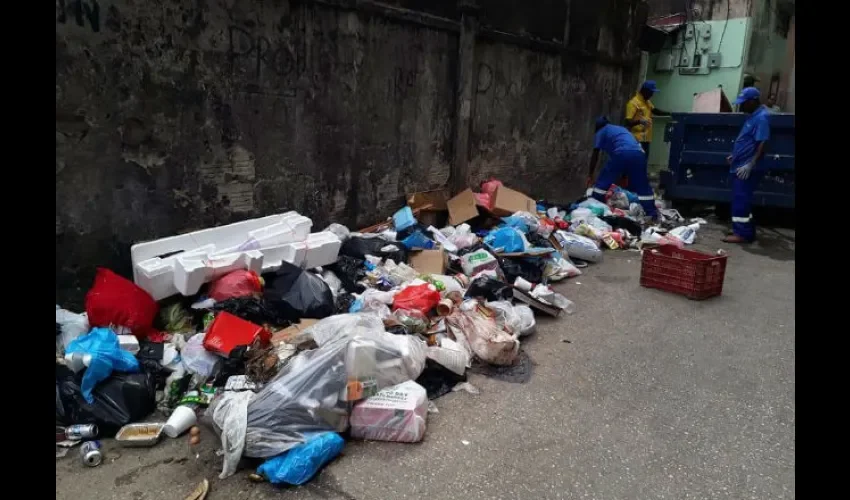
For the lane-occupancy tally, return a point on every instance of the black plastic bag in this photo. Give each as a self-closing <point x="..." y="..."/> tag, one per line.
<point x="121" y="399"/>
<point x="298" y="294"/>
<point x="489" y="289"/>
<point x="529" y="268"/>
<point x="255" y="310"/>
<point x="359" y="247"/>
<point x="438" y="380"/>
<point x="343" y="303"/>
<point x="225" y="368"/>
<point x="349" y="270"/>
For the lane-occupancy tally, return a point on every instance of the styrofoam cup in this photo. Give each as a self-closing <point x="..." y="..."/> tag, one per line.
<point x="180" y="421"/>
<point x="522" y="284"/>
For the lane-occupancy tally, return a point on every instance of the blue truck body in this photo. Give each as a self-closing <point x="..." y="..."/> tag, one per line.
<point x="699" y="145"/>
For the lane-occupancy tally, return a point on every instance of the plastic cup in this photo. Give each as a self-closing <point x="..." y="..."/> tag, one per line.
<point x="522" y="284"/>
<point x="180" y="421"/>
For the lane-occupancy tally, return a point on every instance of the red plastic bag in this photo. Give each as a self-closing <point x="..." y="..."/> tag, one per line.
<point x="228" y="331"/>
<point x="238" y="283"/>
<point x="420" y="298"/>
<point x="489" y="189"/>
<point x="116" y="301"/>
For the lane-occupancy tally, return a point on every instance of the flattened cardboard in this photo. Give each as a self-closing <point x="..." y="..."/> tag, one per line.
<point x="437" y="199"/>
<point x="507" y="202"/>
<point x="462" y="208"/>
<point x="428" y="261"/>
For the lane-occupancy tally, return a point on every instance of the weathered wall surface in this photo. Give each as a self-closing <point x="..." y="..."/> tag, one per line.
<point x="173" y="115"/>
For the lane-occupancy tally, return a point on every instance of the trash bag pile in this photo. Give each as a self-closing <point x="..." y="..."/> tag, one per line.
<point x="282" y="360"/>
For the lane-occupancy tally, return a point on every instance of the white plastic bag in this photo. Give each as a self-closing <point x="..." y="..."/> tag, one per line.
<point x="528" y="325"/>
<point x="230" y="414"/>
<point x="477" y="261"/>
<point x="72" y="326"/>
<point x="463" y="237"/>
<point x="506" y="316"/>
<point x="685" y="234"/>
<point x="196" y="358"/>
<point x="396" y="413"/>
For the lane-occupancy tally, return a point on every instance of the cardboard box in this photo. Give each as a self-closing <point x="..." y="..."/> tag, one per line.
<point x="429" y="261"/>
<point x="290" y="333"/>
<point x="462" y="208"/>
<point x="507" y="201"/>
<point x="437" y="199"/>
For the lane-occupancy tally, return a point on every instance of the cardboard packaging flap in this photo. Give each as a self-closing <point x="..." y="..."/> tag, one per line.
<point x="434" y="200"/>
<point x="429" y="261"/>
<point x="462" y="208"/>
<point x="508" y="201"/>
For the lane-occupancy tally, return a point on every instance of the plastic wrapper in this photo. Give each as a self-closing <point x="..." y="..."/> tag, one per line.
<point x="339" y="230"/>
<point x="71" y="325"/>
<point x="596" y="206"/>
<point x="490" y="343"/>
<point x="685" y="234"/>
<point x="121" y="399"/>
<point x="626" y="223"/>
<point x="116" y="301"/>
<point x="356" y="358"/>
<point x="412" y="321"/>
<point x="196" y="359"/>
<point x="300" y="464"/>
<point x="239" y="283"/>
<point x="396" y="414"/>
<point x="106" y="356"/>
<point x="506" y="316"/>
<point x="422" y="298"/>
<point x="374" y="301"/>
<point x="509" y="239"/>
<point x="399" y="274"/>
<point x="360" y="246"/>
<point x="230" y="415"/>
<point x="298" y="293"/>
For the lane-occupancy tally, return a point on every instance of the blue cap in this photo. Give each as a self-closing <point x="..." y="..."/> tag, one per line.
<point x="650" y="86"/>
<point x="602" y="121"/>
<point x="747" y="94"/>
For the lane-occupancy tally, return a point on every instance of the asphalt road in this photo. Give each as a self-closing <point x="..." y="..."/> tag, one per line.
<point x="639" y="395"/>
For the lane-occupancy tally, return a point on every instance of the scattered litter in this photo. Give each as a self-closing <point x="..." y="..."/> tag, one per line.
<point x="282" y="340"/>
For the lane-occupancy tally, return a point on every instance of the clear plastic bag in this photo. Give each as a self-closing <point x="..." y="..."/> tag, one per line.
<point x="484" y="337"/>
<point x="558" y="268"/>
<point x="528" y="324"/>
<point x="462" y="236"/>
<point x="356" y="358"/>
<point x="506" y="316"/>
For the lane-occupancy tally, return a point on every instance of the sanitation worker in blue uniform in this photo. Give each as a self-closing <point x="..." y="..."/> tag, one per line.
<point x="625" y="156"/>
<point x="747" y="151"/>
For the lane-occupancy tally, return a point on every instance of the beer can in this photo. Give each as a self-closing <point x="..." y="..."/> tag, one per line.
<point x="78" y="432"/>
<point x="90" y="453"/>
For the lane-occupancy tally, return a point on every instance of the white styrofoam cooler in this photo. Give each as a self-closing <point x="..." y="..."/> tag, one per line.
<point x="183" y="263"/>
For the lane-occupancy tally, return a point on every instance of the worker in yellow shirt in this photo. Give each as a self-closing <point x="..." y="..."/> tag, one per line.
<point x="639" y="113"/>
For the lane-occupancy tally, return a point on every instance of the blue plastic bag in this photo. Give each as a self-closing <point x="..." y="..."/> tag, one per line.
<point x="106" y="356"/>
<point x="403" y="219"/>
<point x="508" y="239"/>
<point x="516" y="222"/>
<point x="417" y="240"/>
<point x="300" y="464"/>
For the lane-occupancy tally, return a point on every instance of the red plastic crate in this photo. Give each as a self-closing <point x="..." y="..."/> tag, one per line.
<point x="695" y="275"/>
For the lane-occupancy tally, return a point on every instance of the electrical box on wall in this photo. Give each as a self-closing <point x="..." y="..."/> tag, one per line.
<point x="684" y="61"/>
<point x="714" y="59"/>
<point x="664" y="62"/>
<point x="706" y="31"/>
<point x="689" y="31"/>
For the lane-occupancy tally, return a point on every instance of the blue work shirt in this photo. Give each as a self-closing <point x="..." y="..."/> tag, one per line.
<point x="614" y="139"/>
<point x="755" y="130"/>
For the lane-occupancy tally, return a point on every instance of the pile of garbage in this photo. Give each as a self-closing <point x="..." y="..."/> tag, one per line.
<point x="282" y="341"/>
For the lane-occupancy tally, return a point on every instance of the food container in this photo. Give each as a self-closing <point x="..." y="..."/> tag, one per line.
<point x="141" y="435"/>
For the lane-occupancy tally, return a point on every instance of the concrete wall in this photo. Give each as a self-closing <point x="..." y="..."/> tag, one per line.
<point x="181" y="114"/>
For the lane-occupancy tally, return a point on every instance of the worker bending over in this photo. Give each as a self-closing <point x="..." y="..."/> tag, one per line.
<point x="625" y="156"/>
